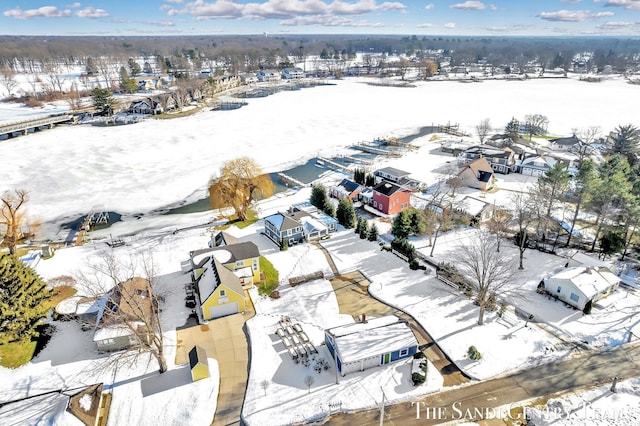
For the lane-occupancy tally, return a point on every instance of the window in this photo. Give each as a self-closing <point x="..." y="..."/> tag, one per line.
<point x="223" y="293"/>
<point x="574" y="297"/>
<point x="559" y="289"/>
<point x="375" y="204"/>
<point x="404" y="352"/>
<point x="239" y="263"/>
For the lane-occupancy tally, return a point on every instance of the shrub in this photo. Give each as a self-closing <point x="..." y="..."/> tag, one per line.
<point x="284" y="246"/>
<point x="473" y="353"/>
<point x="413" y="264"/>
<point x="502" y="309"/>
<point x="403" y="246"/>
<point x="419" y="355"/>
<point x="418" y="379"/>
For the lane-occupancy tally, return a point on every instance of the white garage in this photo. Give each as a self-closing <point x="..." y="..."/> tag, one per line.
<point x="223" y="310"/>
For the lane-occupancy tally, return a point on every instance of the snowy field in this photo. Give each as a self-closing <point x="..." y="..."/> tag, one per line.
<point x="72" y="170"/>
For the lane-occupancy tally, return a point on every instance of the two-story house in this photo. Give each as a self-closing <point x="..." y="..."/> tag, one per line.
<point x="292" y="73"/>
<point x="243" y="259"/>
<point x="390" y="198"/>
<point x="218" y="290"/>
<point x="478" y="174"/>
<point x="301" y="222"/>
<point x="268" y="75"/>
<point x="501" y="160"/>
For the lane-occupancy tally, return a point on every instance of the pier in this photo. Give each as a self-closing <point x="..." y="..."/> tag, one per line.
<point x="23" y="126"/>
<point x="290" y="181"/>
<point x="396" y="142"/>
<point x="367" y="147"/>
<point x="333" y="164"/>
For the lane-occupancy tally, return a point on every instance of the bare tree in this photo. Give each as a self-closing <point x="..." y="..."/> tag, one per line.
<point x="309" y="381"/>
<point x="536" y="124"/>
<point x="13" y="218"/>
<point x="499" y="225"/>
<point x="7" y="79"/>
<point x="132" y="304"/>
<point x="403" y="66"/>
<point x="521" y="205"/>
<point x="265" y="385"/>
<point x="483" y="128"/>
<point x="489" y="272"/>
<point x="587" y="136"/>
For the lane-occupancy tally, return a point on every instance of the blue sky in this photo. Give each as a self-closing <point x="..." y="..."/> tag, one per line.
<point x="419" y="17"/>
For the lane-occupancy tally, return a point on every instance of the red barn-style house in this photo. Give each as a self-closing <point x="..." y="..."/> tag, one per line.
<point x="390" y="198"/>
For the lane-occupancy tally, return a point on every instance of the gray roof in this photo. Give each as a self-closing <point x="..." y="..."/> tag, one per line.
<point x="282" y="222"/>
<point x="393" y="172"/>
<point x="239" y="251"/>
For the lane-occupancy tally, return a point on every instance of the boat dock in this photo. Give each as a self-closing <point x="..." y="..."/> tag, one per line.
<point x="333" y="164"/>
<point x="371" y="149"/>
<point x="23" y="126"/>
<point x="290" y="180"/>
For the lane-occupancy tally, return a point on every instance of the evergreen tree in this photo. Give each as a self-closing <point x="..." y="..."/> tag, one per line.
<point x="373" y="233"/>
<point x="346" y="214"/>
<point x="359" y="176"/>
<point x="319" y="197"/>
<point x="401" y="227"/>
<point x="284" y="245"/>
<point x="417" y="221"/>
<point x="625" y="140"/>
<point x="23" y="297"/>
<point x="370" y="180"/>
<point x="512" y="129"/>
<point x="329" y="210"/>
<point x="134" y="68"/>
<point x="103" y="101"/>
<point x="127" y="84"/>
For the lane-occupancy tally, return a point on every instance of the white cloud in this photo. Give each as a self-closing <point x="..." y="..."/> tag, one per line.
<point x="425" y="25"/>
<point x="469" y="5"/>
<point x="627" y="4"/>
<point x="92" y="13"/>
<point x="450" y="25"/>
<point x="572" y="15"/>
<point x="41" y="12"/>
<point x="174" y="1"/>
<point x="493" y="7"/>
<point x="330" y="21"/>
<point x="610" y="26"/>
<point x="284" y="9"/>
<point x="161" y="23"/>
<point x="430" y="6"/>
<point x="74" y="5"/>
<point x="570" y="1"/>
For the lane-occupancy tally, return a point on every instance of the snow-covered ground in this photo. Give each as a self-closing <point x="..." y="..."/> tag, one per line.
<point x="137" y="168"/>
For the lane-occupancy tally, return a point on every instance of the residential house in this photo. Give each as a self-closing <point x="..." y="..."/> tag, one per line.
<point x="302" y="222"/>
<point x="282" y="227"/>
<point x="243" y="259"/>
<point x="390" y="174"/>
<point x="456" y="147"/>
<point x="581" y="259"/>
<point x="536" y="165"/>
<point x="570" y="143"/>
<point x="390" y="198"/>
<point x="123" y="319"/>
<point x="478" y="174"/>
<point x="145" y="106"/>
<point x="247" y="78"/>
<point x="501" y="160"/>
<point x="268" y="75"/>
<point x="146" y="83"/>
<point x="292" y="73"/>
<point x="346" y="189"/>
<point x="218" y="290"/>
<point x="479" y="211"/>
<point x="222" y="238"/>
<point x="370" y="343"/>
<point x="580" y="285"/>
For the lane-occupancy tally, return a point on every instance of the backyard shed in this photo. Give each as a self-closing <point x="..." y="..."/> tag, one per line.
<point x="375" y="342"/>
<point x="198" y="363"/>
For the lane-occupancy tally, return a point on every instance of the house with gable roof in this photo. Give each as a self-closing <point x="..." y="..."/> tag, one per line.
<point x="346" y="189"/>
<point x="501" y="160"/>
<point x="241" y="258"/>
<point x="580" y="285"/>
<point x="478" y="174"/>
<point x="302" y="222"/>
<point x="218" y="290"/>
<point x="370" y="343"/>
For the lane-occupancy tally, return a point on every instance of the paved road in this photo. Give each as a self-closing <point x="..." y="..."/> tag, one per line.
<point x="587" y="368"/>
<point x="224" y="340"/>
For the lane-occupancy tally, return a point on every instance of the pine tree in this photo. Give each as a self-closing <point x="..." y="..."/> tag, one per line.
<point x="401" y="227"/>
<point x="346" y="214"/>
<point x="364" y="229"/>
<point x="22" y="299"/>
<point x="318" y="197"/>
<point x="103" y="100"/>
<point x="284" y="245"/>
<point x="373" y="233"/>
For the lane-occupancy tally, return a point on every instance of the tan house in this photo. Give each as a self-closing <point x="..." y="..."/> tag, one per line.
<point x="478" y="174"/>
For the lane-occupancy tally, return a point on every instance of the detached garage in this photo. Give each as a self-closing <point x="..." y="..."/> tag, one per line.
<point x="371" y="343"/>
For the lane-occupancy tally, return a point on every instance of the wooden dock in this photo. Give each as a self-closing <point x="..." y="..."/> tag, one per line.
<point x="291" y="181"/>
<point x="397" y="142"/>
<point x="333" y="164"/>
<point x="366" y="147"/>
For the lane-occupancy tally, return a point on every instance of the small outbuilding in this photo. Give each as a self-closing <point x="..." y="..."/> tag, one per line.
<point x="581" y="285"/>
<point x="370" y="343"/>
<point x="198" y="363"/>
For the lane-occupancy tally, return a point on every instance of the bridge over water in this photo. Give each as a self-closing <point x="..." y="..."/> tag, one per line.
<point x="23" y="126"/>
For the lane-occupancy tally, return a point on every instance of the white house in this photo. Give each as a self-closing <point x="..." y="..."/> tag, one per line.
<point x="292" y="73"/>
<point x="268" y="75"/>
<point x="370" y="343"/>
<point x="580" y="285"/>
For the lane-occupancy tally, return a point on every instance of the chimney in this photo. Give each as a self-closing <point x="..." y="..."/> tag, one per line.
<point x="364" y="318"/>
